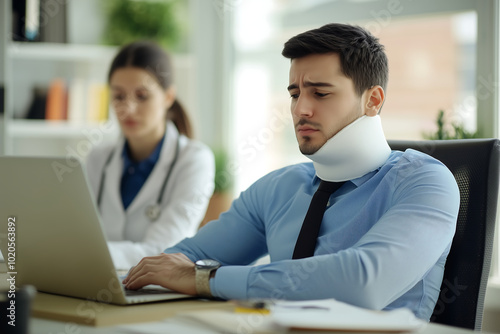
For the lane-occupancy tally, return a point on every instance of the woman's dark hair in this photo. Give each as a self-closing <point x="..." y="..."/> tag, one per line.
<point x="362" y="57"/>
<point x="152" y="58"/>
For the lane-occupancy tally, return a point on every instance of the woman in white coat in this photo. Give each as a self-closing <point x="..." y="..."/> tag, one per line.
<point x="153" y="186"/>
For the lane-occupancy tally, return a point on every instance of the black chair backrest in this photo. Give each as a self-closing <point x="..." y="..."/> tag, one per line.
<point x="475" y="165"/>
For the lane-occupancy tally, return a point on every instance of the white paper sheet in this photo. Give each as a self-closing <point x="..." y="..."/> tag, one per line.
<point x="335" y="315"/>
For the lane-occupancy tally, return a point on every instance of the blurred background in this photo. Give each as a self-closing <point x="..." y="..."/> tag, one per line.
<point x="229" y="72"/>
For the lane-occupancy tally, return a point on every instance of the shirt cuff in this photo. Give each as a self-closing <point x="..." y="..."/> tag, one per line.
<point x="230" y="282"/>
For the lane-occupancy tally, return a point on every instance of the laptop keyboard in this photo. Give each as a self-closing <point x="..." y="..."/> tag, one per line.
<point x="146" y="291"/>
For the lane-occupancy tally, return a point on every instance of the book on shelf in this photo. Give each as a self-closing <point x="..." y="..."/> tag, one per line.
<point x="53" y="21"/>
<point x="57" y="97"/>
<point x="2" y="99"/>
<point x="38" y="103"/>
<point x="97" y="109"/>
<point x="39" y="21"/>
<point x="26" y="20"/>
<point x="76" y="101"/>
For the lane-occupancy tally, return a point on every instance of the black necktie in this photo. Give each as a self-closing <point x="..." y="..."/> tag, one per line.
<point x="306" y="242"/>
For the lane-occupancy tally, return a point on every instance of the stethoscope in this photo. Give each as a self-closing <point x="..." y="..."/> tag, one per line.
<point x="153" y="211"/>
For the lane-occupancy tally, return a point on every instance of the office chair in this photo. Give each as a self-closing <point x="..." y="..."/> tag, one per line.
<point x="475" y="165"/>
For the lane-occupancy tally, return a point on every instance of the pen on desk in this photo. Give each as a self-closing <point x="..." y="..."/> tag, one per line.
<point x="307" y="307"/>
<point x="252" y="306"/>
<point x="264" y="306"/>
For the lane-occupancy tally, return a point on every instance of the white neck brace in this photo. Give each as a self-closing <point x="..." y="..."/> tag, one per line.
<point x="354" y="151"/>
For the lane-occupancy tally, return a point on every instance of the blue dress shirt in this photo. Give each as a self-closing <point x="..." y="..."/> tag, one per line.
<point x="382" y="245"/>
<point x="135" y="173"/>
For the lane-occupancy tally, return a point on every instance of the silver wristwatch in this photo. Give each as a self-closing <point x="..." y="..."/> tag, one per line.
<point x="203" y="269"/>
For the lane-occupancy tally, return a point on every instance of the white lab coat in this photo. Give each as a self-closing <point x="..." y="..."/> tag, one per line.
<point x="131" y="235"/>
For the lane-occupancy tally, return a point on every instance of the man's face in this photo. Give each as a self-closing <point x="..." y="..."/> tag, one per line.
<point x="323" y="100"/>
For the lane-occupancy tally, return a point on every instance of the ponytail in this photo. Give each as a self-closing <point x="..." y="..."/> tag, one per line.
<point x="180" y="118"/>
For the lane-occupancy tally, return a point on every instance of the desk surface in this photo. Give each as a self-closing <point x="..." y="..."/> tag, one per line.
<point x="59" y="314"/>
<point x="87" y="317"/>
<point x="91" y="313"/>
<point x="175" y="325"/>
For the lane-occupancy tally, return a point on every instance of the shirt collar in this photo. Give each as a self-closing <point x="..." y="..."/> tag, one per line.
<point x="143" y="164"/>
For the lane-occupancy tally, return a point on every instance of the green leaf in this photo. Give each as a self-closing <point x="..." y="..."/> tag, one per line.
<point x="452" y="131"/>
<point x="131" y="20"/>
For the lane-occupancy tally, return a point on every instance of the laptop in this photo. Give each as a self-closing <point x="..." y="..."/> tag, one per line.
<point x="60" y="246"/>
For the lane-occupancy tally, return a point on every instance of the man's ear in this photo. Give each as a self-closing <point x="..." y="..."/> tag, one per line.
<point x="374" y="99"/>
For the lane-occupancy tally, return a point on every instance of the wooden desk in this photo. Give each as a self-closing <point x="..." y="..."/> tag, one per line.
<point x="65" y="315"/>
<point x="171" y="325"/>
<point x="91" y="313"/>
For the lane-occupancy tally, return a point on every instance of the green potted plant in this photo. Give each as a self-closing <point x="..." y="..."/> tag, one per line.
<point x="223" y="191"/>
<point x="449" y="131"/>
<point x="130" y="20"/>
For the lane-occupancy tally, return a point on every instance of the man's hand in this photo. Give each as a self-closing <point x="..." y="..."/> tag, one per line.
<point x="172" y="271"/>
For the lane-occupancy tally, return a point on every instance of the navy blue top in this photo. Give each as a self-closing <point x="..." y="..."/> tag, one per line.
<point x="135" y="173"/>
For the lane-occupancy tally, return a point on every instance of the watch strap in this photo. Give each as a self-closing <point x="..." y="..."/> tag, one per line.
<point x="202" y="280"/>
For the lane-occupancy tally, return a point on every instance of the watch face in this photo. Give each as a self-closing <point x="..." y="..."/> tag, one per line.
<point x="207" y="264"/>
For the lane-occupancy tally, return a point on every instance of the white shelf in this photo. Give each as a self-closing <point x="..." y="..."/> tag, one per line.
<point x="25" y="65"/>
<point x="76" y="52"/>
<point x="60" y="52"/>
<point x="53" y="129"/>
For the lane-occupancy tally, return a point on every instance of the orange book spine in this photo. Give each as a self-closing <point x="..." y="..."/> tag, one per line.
<point x="56" y="101"/>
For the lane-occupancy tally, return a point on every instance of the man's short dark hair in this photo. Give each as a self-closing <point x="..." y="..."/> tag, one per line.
<point x="362" y="57"/>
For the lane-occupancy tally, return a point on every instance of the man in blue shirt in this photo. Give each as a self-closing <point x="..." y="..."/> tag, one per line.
<point x="386" y="231"/>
